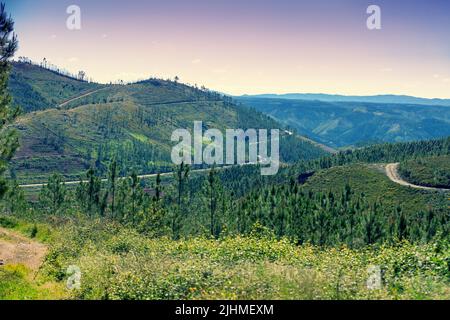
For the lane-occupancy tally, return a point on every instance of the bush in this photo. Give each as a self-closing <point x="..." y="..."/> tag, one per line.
<point x="118" y="263"/>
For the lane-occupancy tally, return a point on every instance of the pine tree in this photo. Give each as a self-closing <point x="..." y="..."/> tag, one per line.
<point x="153" y="223"/>
<point x="212" y="191"/>
<point x="93" y="191"/>
<point x="112" y="181"/>
<point x="14" y="200"/>
<point x="181" y="177"/>
<point x="402" y="227"/>
<point x="372" y="225"/>
<point x="158" y="189"/>
<point x="53" y="195"/>
<point x="81" y="194"/>
<point x="8" y="137"/>
<point x="136" y="196"/>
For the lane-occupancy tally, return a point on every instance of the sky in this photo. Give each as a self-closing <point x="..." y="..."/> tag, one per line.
<point x="248" y="46"/>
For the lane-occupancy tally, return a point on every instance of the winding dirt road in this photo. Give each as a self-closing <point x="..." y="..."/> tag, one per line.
<point x="392" y="173"/>
<point x="84" y="95"/>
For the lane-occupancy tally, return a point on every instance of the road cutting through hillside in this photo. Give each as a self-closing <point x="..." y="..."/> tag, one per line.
<point x="392" y="173"/>
<point x="145" y="176"/>
<point x="76" y="182"/>
<point x="87" y="94"/>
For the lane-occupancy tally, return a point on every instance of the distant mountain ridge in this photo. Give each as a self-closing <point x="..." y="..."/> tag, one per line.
<point x="398" y="99"/>
<point x="344" y="124"/>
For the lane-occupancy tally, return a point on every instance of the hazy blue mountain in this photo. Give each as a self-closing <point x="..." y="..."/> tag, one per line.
<point x="339" y="124"/>
<point x="342" y="98"/>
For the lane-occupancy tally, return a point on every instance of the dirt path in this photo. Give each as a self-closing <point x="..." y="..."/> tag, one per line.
<point x="23" y="119"/>
<point x="87" y="94"/>
<point x="392" y="173"/>
<point x="17" y="249"/>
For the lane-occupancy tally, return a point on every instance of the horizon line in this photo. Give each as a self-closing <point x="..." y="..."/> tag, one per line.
<point x="92" y="80"/>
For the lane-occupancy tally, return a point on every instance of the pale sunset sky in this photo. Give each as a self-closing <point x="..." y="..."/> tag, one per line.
<point x="248" y="46"/>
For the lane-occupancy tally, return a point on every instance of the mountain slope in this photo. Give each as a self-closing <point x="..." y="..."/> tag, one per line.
<point x="35" y="88"/>
<point x="371" y="180"/>
<point x="132" y="122"/>
<point x="339" y="124"/>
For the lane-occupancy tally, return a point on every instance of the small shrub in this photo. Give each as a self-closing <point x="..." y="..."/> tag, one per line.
<point x="7" y="222"/>
<point x="33" y="231"/>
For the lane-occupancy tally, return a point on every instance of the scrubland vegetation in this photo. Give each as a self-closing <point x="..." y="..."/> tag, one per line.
<point x="427" y="171"/>
<point x="119" y="263"/>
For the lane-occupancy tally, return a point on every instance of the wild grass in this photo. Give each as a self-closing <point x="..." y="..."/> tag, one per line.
<point x="118" y="263"/>
<point x="17" y="282"/>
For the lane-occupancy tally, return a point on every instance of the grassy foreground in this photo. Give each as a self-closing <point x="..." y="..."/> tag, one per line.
<point x="118" y="263"/>
<point x="18" y="280"/>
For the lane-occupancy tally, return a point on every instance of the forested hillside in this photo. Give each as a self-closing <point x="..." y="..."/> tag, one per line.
<point x="427" y="171"/>
<point x="235" y="234"/>
<point x="382" y="153"/>
<point x="132" y="122"/>
<point x="316" y="209"/>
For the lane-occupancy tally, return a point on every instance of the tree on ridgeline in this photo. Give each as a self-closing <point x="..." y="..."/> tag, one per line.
<point x="8" y="137"/>
<point x="81" y="75"/>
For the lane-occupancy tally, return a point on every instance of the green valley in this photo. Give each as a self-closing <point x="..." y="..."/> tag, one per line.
<point x="341" y="124"/>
